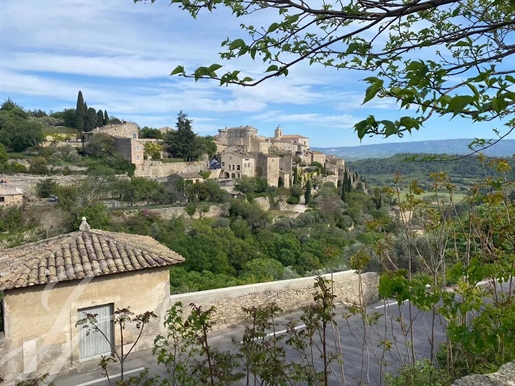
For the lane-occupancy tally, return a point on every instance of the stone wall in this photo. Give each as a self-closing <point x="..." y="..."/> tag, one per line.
<point x="504" y="377"/>
<point x="178" y="211"/>
<point x="289" y="295"/>
<point x="158" y="169"/>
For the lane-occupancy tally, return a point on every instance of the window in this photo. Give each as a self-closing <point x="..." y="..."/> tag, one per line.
<point x="2" y="199"/>
<point x="137" y="147"/>
<point x="238" y="167"/>
<point x="137" y="157"/>
<point x="223" y="163"/>
<point x="134" y="136"/>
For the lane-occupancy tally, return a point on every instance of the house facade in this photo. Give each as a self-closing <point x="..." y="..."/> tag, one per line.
<point x="49" y="285"/>
<point x="236" y="164"/>
<point x="11" y="197"/>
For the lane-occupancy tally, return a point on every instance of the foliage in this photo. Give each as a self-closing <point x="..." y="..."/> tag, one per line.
<point x="17" y="131"/>
<point x="80" y="113"/>
<point x="149" y="132"/>
<point x="422" y="373"/>
<point x="153" y="150"/>
<point x="123" y="317"/>
<point x="100" y="145"/>
<point x="10" y="218"/>
<point x="39" y="166"/>
<point x="46" y="188"/>
<point x="181" y="142"/>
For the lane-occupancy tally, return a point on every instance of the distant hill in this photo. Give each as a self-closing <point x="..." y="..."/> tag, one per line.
<point x="504" y="148"/>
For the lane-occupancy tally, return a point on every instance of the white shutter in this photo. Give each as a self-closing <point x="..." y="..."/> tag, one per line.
<point x="92" y="343"/>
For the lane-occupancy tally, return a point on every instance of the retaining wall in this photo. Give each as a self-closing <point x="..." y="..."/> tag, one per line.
<point x="289" y="295"/>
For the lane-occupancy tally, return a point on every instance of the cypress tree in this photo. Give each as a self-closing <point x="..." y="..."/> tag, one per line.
<point x="307" y="195"/>
<point x="91" y="120"/>
<point x="106" y="118"/>
<point x="80" y="113"/>
<point x="100" y="118"/>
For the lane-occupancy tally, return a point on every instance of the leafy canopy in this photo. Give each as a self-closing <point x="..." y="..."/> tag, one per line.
<point x="437" y="57"/>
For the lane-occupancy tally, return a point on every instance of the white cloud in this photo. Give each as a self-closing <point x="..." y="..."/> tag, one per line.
<point x="344" y="121"/>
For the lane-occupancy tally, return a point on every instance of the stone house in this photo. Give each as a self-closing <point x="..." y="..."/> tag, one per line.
<point x="11" y="197"/>
<point x="317" y="156"/>
<point x="244" y="137"/>
<point x="193" y="177"/>
<point x="132" y="149"/>
<point x="268" y="167"/>
<point x="50" y="284"/>
<point x="236" y="164"/>
<point x="293" y="144"/>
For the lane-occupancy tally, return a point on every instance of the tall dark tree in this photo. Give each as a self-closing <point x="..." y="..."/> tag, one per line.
<point x="80" y="113"/>
<point x="307" y="195"/>
<point x="106" y="118"/>
<point x="100" y="118"/>
<point x="91" y="120"/>
<point x="181" y="142"/>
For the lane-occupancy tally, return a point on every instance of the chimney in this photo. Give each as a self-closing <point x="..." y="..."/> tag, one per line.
<point x="84" y="226"/>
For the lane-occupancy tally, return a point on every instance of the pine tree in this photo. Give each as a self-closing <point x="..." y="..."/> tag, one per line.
<point x="100" y="118"/>
<point x="106" y="118"/>
<point x="80" y="113"/>
<point x="91" y="120"/>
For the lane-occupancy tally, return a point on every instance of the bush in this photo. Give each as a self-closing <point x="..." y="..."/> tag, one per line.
<point x="46" y="188"/>
<point x="293" y="200"/>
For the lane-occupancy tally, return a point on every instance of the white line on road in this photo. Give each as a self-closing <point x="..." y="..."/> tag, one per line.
<point x="283" y="331"/>
<point x="111" y="376"/>
<point x="385" y="305"/>
<point x="390" y="304"/>
<point x="280" y="332"/>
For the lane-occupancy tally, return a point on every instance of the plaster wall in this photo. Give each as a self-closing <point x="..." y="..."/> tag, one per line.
<point x="50" y="343"/>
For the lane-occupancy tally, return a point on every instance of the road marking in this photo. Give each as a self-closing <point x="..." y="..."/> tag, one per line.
<point x="385" y="305"/>
<point x="278" y="332"/>
<point x="284" y="331"/>
<point x="391" y="304"/>
<point x="111" y="376"/>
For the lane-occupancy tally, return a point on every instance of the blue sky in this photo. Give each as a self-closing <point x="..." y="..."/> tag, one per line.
<point x="120" y="55"/>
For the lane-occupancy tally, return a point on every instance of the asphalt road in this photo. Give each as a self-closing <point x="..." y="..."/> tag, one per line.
<point x="361" y="361"/>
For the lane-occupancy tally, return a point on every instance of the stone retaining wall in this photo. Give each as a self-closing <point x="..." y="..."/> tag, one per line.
<point x="289" y="295"/>
<point x="159" y="169"/>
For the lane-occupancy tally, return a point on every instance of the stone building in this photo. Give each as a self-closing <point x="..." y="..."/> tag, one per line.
<point x="237" y="163"/>
<point x="132" y="149"/>
<point x="49" y="285"/>
<point x="244" y="137"/>
<point x="294" y="144"/>
<point x="268" y="167"/>
<point x="11" y="196"/>
<point x="317" y="156"/>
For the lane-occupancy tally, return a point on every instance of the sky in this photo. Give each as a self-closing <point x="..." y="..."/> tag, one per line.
<point x="120" y="55"/>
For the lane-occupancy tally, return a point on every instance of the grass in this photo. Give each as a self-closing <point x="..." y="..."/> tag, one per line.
<point x="444" y="196"/>
<point x="20" y="156"/>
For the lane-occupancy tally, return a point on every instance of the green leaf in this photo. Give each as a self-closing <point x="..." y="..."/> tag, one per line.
<point x="389" y="128"/>
<point x="271" y="68"/>
<point x="273" y="27"/>
<point x="214" y="67"/>
<point x="372" y="91"/>
<point x="236" y="44"/>
<point x="178" y="70"/>
<point x="458" y="104"/>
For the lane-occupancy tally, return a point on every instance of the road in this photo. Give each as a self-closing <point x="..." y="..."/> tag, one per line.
<point x="349" y="334"/>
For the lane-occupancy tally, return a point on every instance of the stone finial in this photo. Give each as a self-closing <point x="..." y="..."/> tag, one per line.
<point x="84" y="226"/>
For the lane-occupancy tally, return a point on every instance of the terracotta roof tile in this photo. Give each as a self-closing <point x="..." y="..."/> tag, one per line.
<point x="81" y="254"/>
